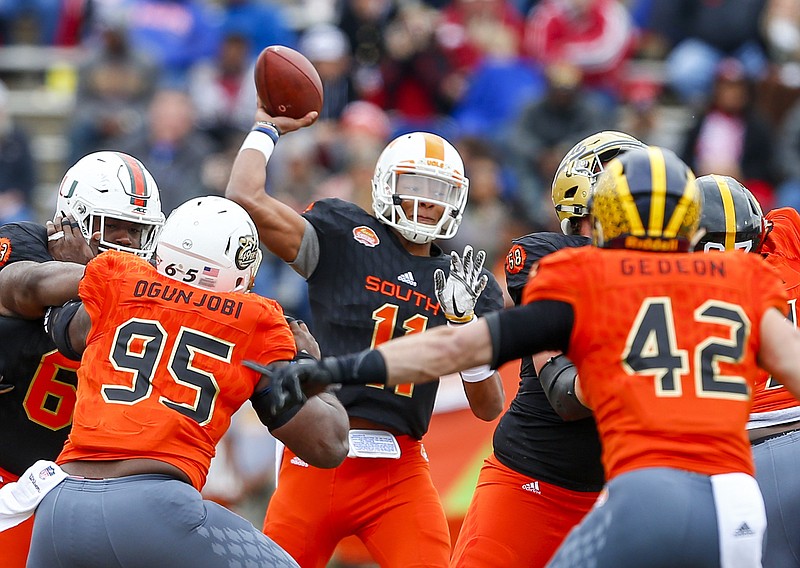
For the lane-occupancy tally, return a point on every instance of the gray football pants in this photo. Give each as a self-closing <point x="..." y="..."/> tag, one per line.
<point x="653" y="518"/>
<point x="778" y="475"/>
<point x="144" y="521"/>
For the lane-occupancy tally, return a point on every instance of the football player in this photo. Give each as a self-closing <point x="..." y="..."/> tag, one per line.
<point x="161" y="376"/>
<point x="372" y="277"/>
<point x="667" y="365"/>
<point x="545" y="472"/>
<point x="733" y="220"/>
<point x="107" y="200"/>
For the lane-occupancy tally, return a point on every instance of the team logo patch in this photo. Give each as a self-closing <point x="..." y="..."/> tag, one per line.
<point x="247" y="252"/>
<point x="515" y="259"/>
<point x="366" y="236"/>
<point x="5" y="251"/>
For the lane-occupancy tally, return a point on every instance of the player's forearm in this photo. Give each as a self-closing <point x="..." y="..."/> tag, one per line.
<point x="425" y="357"/>
<point x="318" y="433"/>
<point x="486" y="398"/>
<point x="279" y="226"/>
<point x="780" y="350"/>
<point x="28" y="288"/>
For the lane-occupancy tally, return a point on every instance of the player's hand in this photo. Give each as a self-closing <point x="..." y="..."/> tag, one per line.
<point x="459" y="292"/>
<point x="286" y="124"/>
<point x="303" y="340"/>
<point x="284" y="388"/>
<point x="305" y="375"/>
<point x="65" y="241"/>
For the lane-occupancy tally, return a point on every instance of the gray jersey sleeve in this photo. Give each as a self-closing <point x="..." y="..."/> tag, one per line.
<point x="308" y="255"/>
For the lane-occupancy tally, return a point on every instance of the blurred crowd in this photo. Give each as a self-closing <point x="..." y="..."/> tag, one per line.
<point x="512" y="83"/>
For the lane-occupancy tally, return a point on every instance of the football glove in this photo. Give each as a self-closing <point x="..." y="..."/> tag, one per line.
<point x="283" y="392"/>
<point x="459" y="293"/>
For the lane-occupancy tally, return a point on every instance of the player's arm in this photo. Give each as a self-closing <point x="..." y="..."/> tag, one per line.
<point x="280" y="227"/>
<point x="318" y="432"/>
<point x="780" y="350"/>
<point x="492" y="340"/>
<point x="311" y="422"/>
<point x="559" y="379"/>
<point x="68" y="326"/>
<point x="27" y="288"/>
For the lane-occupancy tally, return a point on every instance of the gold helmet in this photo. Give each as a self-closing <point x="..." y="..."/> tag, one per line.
<point x="646" y="199"/>
<point x="578" y="171"/>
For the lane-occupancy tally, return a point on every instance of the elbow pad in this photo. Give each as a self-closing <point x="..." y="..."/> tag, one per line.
<point x="557" y="377"/>
<point x="56" y="325"/>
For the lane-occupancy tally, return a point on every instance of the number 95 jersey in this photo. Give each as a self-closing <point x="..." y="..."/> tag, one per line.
<point x="367" y="289"/>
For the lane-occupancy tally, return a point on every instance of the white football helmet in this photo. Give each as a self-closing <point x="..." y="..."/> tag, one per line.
<point x="422" y="167"/>
<point x="112" y="185"/>
<point x="210" y="243"/>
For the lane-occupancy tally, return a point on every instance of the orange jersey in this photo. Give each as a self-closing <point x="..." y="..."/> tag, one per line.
<point x="161" y="374"/>
<point x="665" y="345"/>
<point x="782" y="252"/>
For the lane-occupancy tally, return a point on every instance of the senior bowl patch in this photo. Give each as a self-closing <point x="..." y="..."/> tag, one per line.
<point x="366" y="236"/>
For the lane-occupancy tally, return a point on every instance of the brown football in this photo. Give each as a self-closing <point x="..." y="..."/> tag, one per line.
<point x="287" y="83"/>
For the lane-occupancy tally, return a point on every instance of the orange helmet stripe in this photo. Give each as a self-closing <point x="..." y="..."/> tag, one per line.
<point x="138" y="180"/>
<point x="434" y="147"/>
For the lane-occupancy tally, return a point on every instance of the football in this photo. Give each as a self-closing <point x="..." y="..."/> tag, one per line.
<point x="287" y="83"/>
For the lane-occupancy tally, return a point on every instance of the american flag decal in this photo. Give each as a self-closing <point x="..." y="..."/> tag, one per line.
<point x="208" y="271"/>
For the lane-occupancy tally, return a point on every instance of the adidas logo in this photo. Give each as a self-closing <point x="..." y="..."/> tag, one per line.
<point x="297" y="461"/>
<point x="407" y="278"/>
<point x="532" y="487"/>
<point x="744" y="530"/>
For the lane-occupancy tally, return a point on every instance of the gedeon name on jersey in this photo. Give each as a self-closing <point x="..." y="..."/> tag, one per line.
<point x="211" y="302"/>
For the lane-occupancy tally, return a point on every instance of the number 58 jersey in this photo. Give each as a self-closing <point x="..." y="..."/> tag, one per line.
<point x="367" y="288"/>
<point x="665" y="345"/>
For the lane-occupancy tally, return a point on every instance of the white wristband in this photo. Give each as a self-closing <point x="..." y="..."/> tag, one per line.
<point x="476" y="374"/>
<point x="260" y="141"/>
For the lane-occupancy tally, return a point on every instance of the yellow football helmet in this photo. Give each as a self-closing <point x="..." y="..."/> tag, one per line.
<point x="646" y="199"/>
<point x="578" y="171"/>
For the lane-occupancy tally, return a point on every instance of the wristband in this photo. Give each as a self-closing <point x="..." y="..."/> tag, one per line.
<point x="268" y="128"/>
<point x="476" y="374"/>
<point x="259" y="139"/>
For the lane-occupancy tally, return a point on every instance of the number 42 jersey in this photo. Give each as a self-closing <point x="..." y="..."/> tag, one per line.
<point x="367" y="288"/>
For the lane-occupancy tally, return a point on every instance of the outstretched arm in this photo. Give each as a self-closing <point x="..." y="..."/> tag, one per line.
<point x="780" y="350"/>
<point x="27" y="288"/>
<point x="280" y="227"/>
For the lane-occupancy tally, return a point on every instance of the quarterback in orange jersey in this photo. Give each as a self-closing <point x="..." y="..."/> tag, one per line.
<point x="732" y="220"/>
<point x="667" y="347"/>
<point x="371" y="277"/>
<point x="161" y="376"/>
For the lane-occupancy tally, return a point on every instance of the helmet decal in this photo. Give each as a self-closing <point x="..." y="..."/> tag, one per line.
<point x="247" y="252"/>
